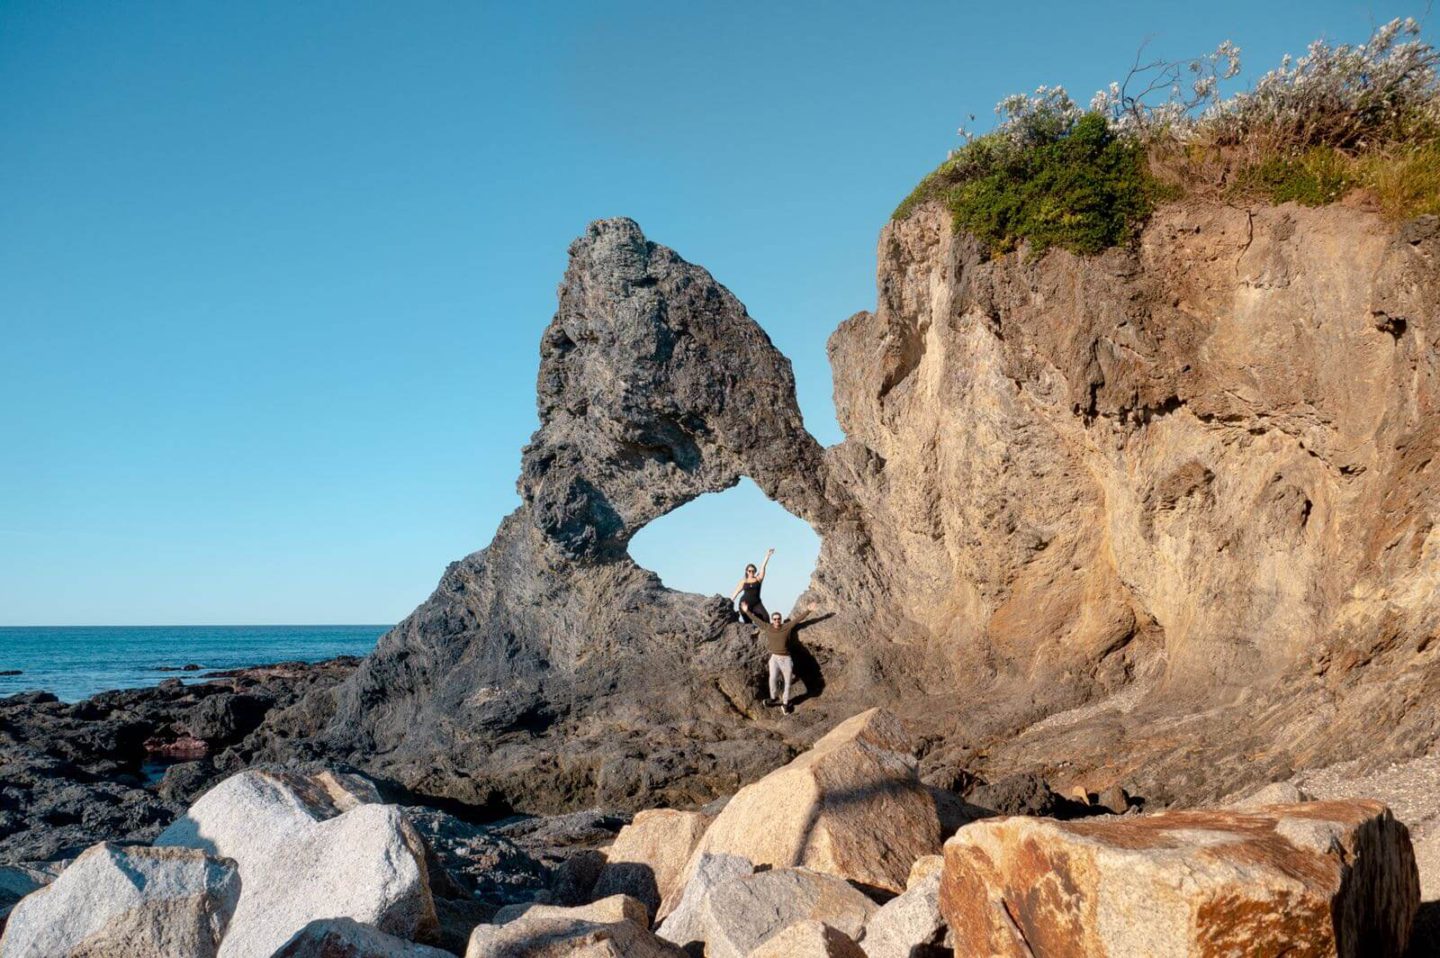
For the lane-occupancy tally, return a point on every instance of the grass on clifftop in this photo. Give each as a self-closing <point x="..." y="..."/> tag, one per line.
<point x="1312" y="131"/>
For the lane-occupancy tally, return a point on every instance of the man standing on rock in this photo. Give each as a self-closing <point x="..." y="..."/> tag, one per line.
<point x="777" y="638"/>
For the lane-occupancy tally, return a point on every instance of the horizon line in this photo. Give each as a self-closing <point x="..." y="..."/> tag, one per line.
<point x="205" y="625"/>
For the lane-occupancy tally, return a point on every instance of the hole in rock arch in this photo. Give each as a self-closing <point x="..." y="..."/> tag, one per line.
<point x="704" y="545"/>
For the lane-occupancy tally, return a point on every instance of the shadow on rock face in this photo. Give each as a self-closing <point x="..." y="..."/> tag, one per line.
<point x="1425" y="933"/>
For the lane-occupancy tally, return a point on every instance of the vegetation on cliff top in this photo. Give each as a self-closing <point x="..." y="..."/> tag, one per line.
<point x="1311" y="131"/>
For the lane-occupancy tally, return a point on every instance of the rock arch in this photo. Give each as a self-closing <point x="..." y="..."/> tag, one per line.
<point x="655" y="387"/>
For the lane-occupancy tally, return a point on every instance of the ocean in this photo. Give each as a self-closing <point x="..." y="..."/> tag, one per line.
<point x="75" y="662"/>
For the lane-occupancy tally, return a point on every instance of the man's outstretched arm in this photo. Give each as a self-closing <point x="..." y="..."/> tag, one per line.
<point x="756" y="619"/>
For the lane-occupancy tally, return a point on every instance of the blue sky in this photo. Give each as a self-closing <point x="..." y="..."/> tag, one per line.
<point x="272" y="275"/>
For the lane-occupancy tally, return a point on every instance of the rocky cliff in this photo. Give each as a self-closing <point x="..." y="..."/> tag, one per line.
<point x="1190" y="484"/>
<point x="1164" y="516"/>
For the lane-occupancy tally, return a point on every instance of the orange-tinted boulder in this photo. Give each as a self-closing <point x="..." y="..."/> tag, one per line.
<point x="1307" y="880"/>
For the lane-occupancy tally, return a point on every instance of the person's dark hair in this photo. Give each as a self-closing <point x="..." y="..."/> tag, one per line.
<point x="750" y="570"/>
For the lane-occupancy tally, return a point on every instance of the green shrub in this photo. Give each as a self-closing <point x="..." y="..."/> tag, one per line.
<point x="1079" y="187"/>
<point x="1338" y="118"/>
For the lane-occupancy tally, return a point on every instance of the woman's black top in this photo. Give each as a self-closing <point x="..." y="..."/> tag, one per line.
<point x="750" y="594"/>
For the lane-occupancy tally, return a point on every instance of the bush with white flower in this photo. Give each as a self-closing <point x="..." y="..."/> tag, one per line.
<point x="1340" y="117"/>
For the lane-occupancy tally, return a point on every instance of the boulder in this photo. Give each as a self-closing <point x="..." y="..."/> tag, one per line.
<point x="737" y="916"/>
<point x="649" y="855"/>
<point x="1027" y="794"/>
<point x="1115" y="799"/>
<point x="809" y="939"/>
<point x="686" y="922"/>
<point x="612" y="928"/>
<point x="909" y="925"/>
<point x="606" y="910"/>
<point x="227" y="718"/>
<point x="573" y="883"/>
<point x="347" y="938"/>
<point x="115" y="902"/>
<point x="309" y="847"/>
<point x="851" y="806"/>
<point x="1321" y="878"/>
<point x="1276" y="793"/>
<point x="924" y="866"/>
<point x="17" y="881"/>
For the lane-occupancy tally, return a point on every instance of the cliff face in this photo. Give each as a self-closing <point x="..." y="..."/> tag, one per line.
<point x="1163" y="516"/>
<point x="1203" y="470"/>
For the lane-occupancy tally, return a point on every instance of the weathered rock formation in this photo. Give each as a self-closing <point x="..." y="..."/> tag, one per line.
<point x="1199" y="475"/>
<point x="1325" y="878"/>
<point x="1165" y="507"/>
<point x="655" y="387"/>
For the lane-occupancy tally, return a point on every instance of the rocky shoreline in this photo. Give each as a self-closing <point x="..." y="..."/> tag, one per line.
<point x="843" y="851"/>
<point x="121" y="765"/>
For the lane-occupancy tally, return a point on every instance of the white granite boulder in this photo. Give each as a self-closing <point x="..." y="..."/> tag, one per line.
<point x="685" y="923"/>
<point x="135" y="902"/>
<point x="309" y="847"/>
<point x="737" y="916"/>
<point x="910" y="924"/>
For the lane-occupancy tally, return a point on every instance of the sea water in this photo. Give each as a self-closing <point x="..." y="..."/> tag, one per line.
<point x="75" y="662"/>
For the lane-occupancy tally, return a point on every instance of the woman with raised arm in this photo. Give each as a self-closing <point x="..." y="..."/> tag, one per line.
<point x="748" y="591"/>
